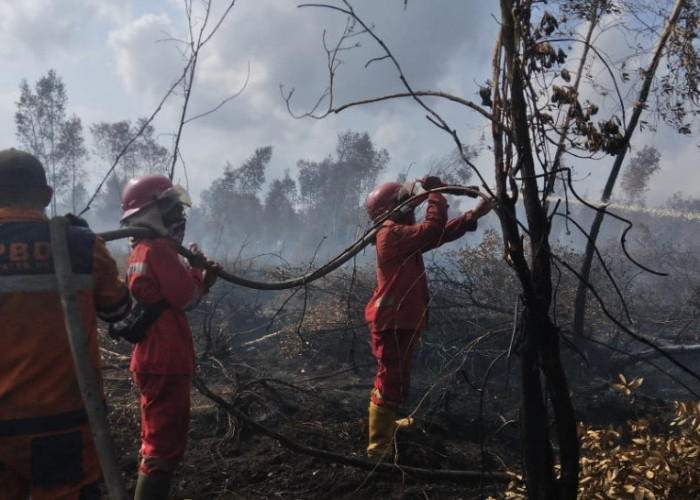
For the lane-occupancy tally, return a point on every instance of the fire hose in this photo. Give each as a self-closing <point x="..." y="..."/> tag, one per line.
<point x="343" y="257"/>
<point x="87" y="379"/>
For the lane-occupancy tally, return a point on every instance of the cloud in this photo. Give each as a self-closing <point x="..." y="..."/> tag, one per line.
<point x="283" y="45"/>
<point x="116" y="11"/>
<point x="44" y="29"/>
<point x="146" y="59"/>
<point x="35" y="27"/>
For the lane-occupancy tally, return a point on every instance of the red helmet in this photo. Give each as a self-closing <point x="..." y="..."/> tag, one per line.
<point x="143" y="191"/>
<point x="385" y="197"/>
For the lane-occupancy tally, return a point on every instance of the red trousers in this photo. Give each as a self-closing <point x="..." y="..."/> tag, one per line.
<point x="165" y="418"/>
<point x="394" y="352"/>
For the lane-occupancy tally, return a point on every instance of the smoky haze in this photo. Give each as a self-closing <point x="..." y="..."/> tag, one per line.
<point x="248" y="220"/>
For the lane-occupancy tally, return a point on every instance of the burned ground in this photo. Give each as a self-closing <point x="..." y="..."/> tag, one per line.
<point x="265" y="426"/>
<point x="280" y="398"/>
<point x="301" y="433"/>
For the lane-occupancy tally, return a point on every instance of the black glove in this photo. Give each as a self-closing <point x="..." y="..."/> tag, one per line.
<point x="141" y="317"/>
<point x="75" y="220"/>
<point x="196" y="258"/>
<point x="455" y="191"/>
<point x="431" y="182"/>
<point x="471" y="191"/>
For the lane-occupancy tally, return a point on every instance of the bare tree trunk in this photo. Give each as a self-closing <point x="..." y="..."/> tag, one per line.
<point x="539" y="343"/>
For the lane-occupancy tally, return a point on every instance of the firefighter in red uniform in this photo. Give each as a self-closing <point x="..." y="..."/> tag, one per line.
<point x="46" y="447"/>
<point x="398" y="309"/>
<point x="163" y="362"/>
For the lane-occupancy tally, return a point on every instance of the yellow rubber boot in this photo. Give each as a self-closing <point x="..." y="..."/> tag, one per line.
<point x="382" y="424"/>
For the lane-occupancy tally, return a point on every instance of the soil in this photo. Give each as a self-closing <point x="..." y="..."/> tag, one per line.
<point x="299" y="431"/>
<point x="285" y="417"/>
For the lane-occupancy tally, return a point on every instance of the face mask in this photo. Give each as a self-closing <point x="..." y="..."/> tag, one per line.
<point x="405" y="214"/>
<point x="174" y="220"/>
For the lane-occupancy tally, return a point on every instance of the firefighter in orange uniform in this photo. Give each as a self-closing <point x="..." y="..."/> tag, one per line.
<point x="398" y="310"/>
<point x="163" y="362"/>
<point x="46" y="447"/>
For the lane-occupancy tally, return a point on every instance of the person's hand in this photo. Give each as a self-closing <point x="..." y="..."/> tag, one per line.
<point x="453" y="191"/>
<point x="431" y="182"/>
<point x="471" y="191"/>
<point x="483" y="207"/>
<point x="197" y="259"/>
<point x="210" y="274"/>
<point x="75" y="220"/>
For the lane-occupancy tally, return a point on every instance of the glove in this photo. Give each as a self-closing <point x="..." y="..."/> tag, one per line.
<point x="75" y="220"/>
<point x="197" y="260"/>
<point x="431" y="182"/>
<point x="454" y="191"/>
<point x="210" y="274"/>
<point x="471" y="191"/>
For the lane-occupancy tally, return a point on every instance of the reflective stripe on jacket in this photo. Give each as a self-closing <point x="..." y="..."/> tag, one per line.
<point x="37" y="375"/>
<point x="401" y="297"/>
<point x="154" y="272"/>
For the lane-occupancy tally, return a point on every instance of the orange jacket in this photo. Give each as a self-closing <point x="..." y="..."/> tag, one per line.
<point x="38" y="387"/>
<point x="156" y="272"/>
<point x="401" y="297"/>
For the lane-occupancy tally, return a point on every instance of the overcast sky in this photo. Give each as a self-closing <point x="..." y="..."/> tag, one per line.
<point x="118" y="57"/>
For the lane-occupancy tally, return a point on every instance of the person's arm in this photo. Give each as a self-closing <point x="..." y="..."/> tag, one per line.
<point x="457" y="227"/>
<point x="404" y="239"/>
<point x="200" y="261"/>
<point x="111" y="295"/>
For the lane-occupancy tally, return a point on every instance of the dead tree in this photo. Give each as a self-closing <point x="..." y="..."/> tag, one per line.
<point x="542" y="374"/>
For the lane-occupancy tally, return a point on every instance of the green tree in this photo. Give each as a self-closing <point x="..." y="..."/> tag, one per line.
<point x="138" y="152"/>
<point x="249" y="178"/>
<point x="678" y="202"/>
<point x="281" y="221"/>
<point x="332" y="191"/>
<point x="71" y="148"/>
<point x="231" y="205"/>
<point x="42" y="128"/>
<point x="635" y="178"/>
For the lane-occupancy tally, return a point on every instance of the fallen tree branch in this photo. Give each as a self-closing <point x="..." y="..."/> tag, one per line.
<point x="670" y="349"/>
<point x="389" y="468"/>
<point x="113" y="354"/>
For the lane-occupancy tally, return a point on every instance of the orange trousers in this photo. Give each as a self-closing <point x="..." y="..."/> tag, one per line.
<point x="62" y="465"/>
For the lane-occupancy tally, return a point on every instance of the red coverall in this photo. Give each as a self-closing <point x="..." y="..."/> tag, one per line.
<point x="398" y="309"/>
<point x="46" y="447"/>
<point x="163" y="362"/>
